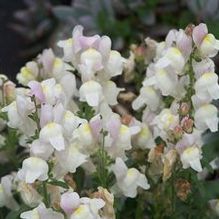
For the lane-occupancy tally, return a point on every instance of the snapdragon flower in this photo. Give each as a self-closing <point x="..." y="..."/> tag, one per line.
<point x="71" y="158"/>
<point x="206" y="43"/>
<point x="41" y="212"/>
<point x="206" y="118"/>
<point x="128" y="180"/>
<point x="206" y="87"/>
<point x="149" y="96"/>
<point x="189" y="148"/>
<point x="28" y="73"/>
<point x="33" y="168"/>
<point x="6" y="195"/>
<point x="92" y="56"/>
<point x="79" y="208"/>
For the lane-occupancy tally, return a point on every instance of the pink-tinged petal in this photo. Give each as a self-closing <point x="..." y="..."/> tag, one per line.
<point x="199" y="33"/>
<point x="184" y="43"/>
<point x="36" y="90"/>
<point x="69" y="202"/>
<point x="76" y="34"/>
<point x="89" y="42"/>
<point x="171" y="37"/>
<point x="96" y="126"/>
<point x="46" y="114"/>
<point x="113" y="126"/>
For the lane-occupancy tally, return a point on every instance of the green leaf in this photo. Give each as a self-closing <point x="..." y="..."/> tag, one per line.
<point x="16" y="214"/>
<point x="85" y="111"/>
<point x="58" y="183"/>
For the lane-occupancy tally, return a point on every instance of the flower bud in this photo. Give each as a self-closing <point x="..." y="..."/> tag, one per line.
<point x="9" y="91"/>
<point x="187" y="124"/>
<point x="183" y="188"/>
<point x="178" y="132"/>
<point x="108" y="198"/>
<point x="184" y="108"/>
<point x="189" y="29"/>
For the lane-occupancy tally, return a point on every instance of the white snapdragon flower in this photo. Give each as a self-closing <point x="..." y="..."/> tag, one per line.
<point x="189" y="149"/>
<point x="14" y="120"/>
<point x="209" y="46"/>
<point x="52" y="91"/>
<point x="85" y="136"/>
<point x="92" y="56"/>
<point x="206" y="43"/>
<point x="115" y="64"/>
<point x="90" y="63"/>
<point x="71" y="158"/>
<point x="69" y="201"/>
<point x="118" y="139"/>
<point x="191" y="158"/>
<point x="144" y="139"/>
<point x="206" y="87"/>
<point x="6" y="196"/>
<point x="110" y="92"/>
<point x="18" y="112"/>
<point x="91" y="92"/>
<point x="41" y="149"/>
<point x="148" y="96"/>
<point x="67" y="46"/>
<point x="206" y="118"/>
<point x="70" y="122"/>
<point x="88" y="209"/>
<point x="163" y="79"/>
<point x="52" y="66"/>
<point x="41" y="212"/>
<point x="174" y="58"/>
<point x="181" y="40"/>
<point x="80" y="208"/>
<point x="128" y="180"/>
<point x="52" y="133"/>
<point x="33" y="168"/>
<point x="48" y="91"/>
<point x="203" y="66"/>
<point x="165" y="121"/>
<point x="28" y="73"/>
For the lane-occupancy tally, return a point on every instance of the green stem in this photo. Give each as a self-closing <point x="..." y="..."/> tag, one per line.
<point x="45" y="194"/>
<point x="173" y="193"/>
<point x="139" y="210"/>
<point x="36" y="115"/>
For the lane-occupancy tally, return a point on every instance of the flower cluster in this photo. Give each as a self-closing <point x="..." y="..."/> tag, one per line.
<point x="178" y="90"/>
<point x="69" y="124"/>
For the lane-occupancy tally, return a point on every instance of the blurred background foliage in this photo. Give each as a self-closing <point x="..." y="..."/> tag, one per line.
<point x="43" y="22"/>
